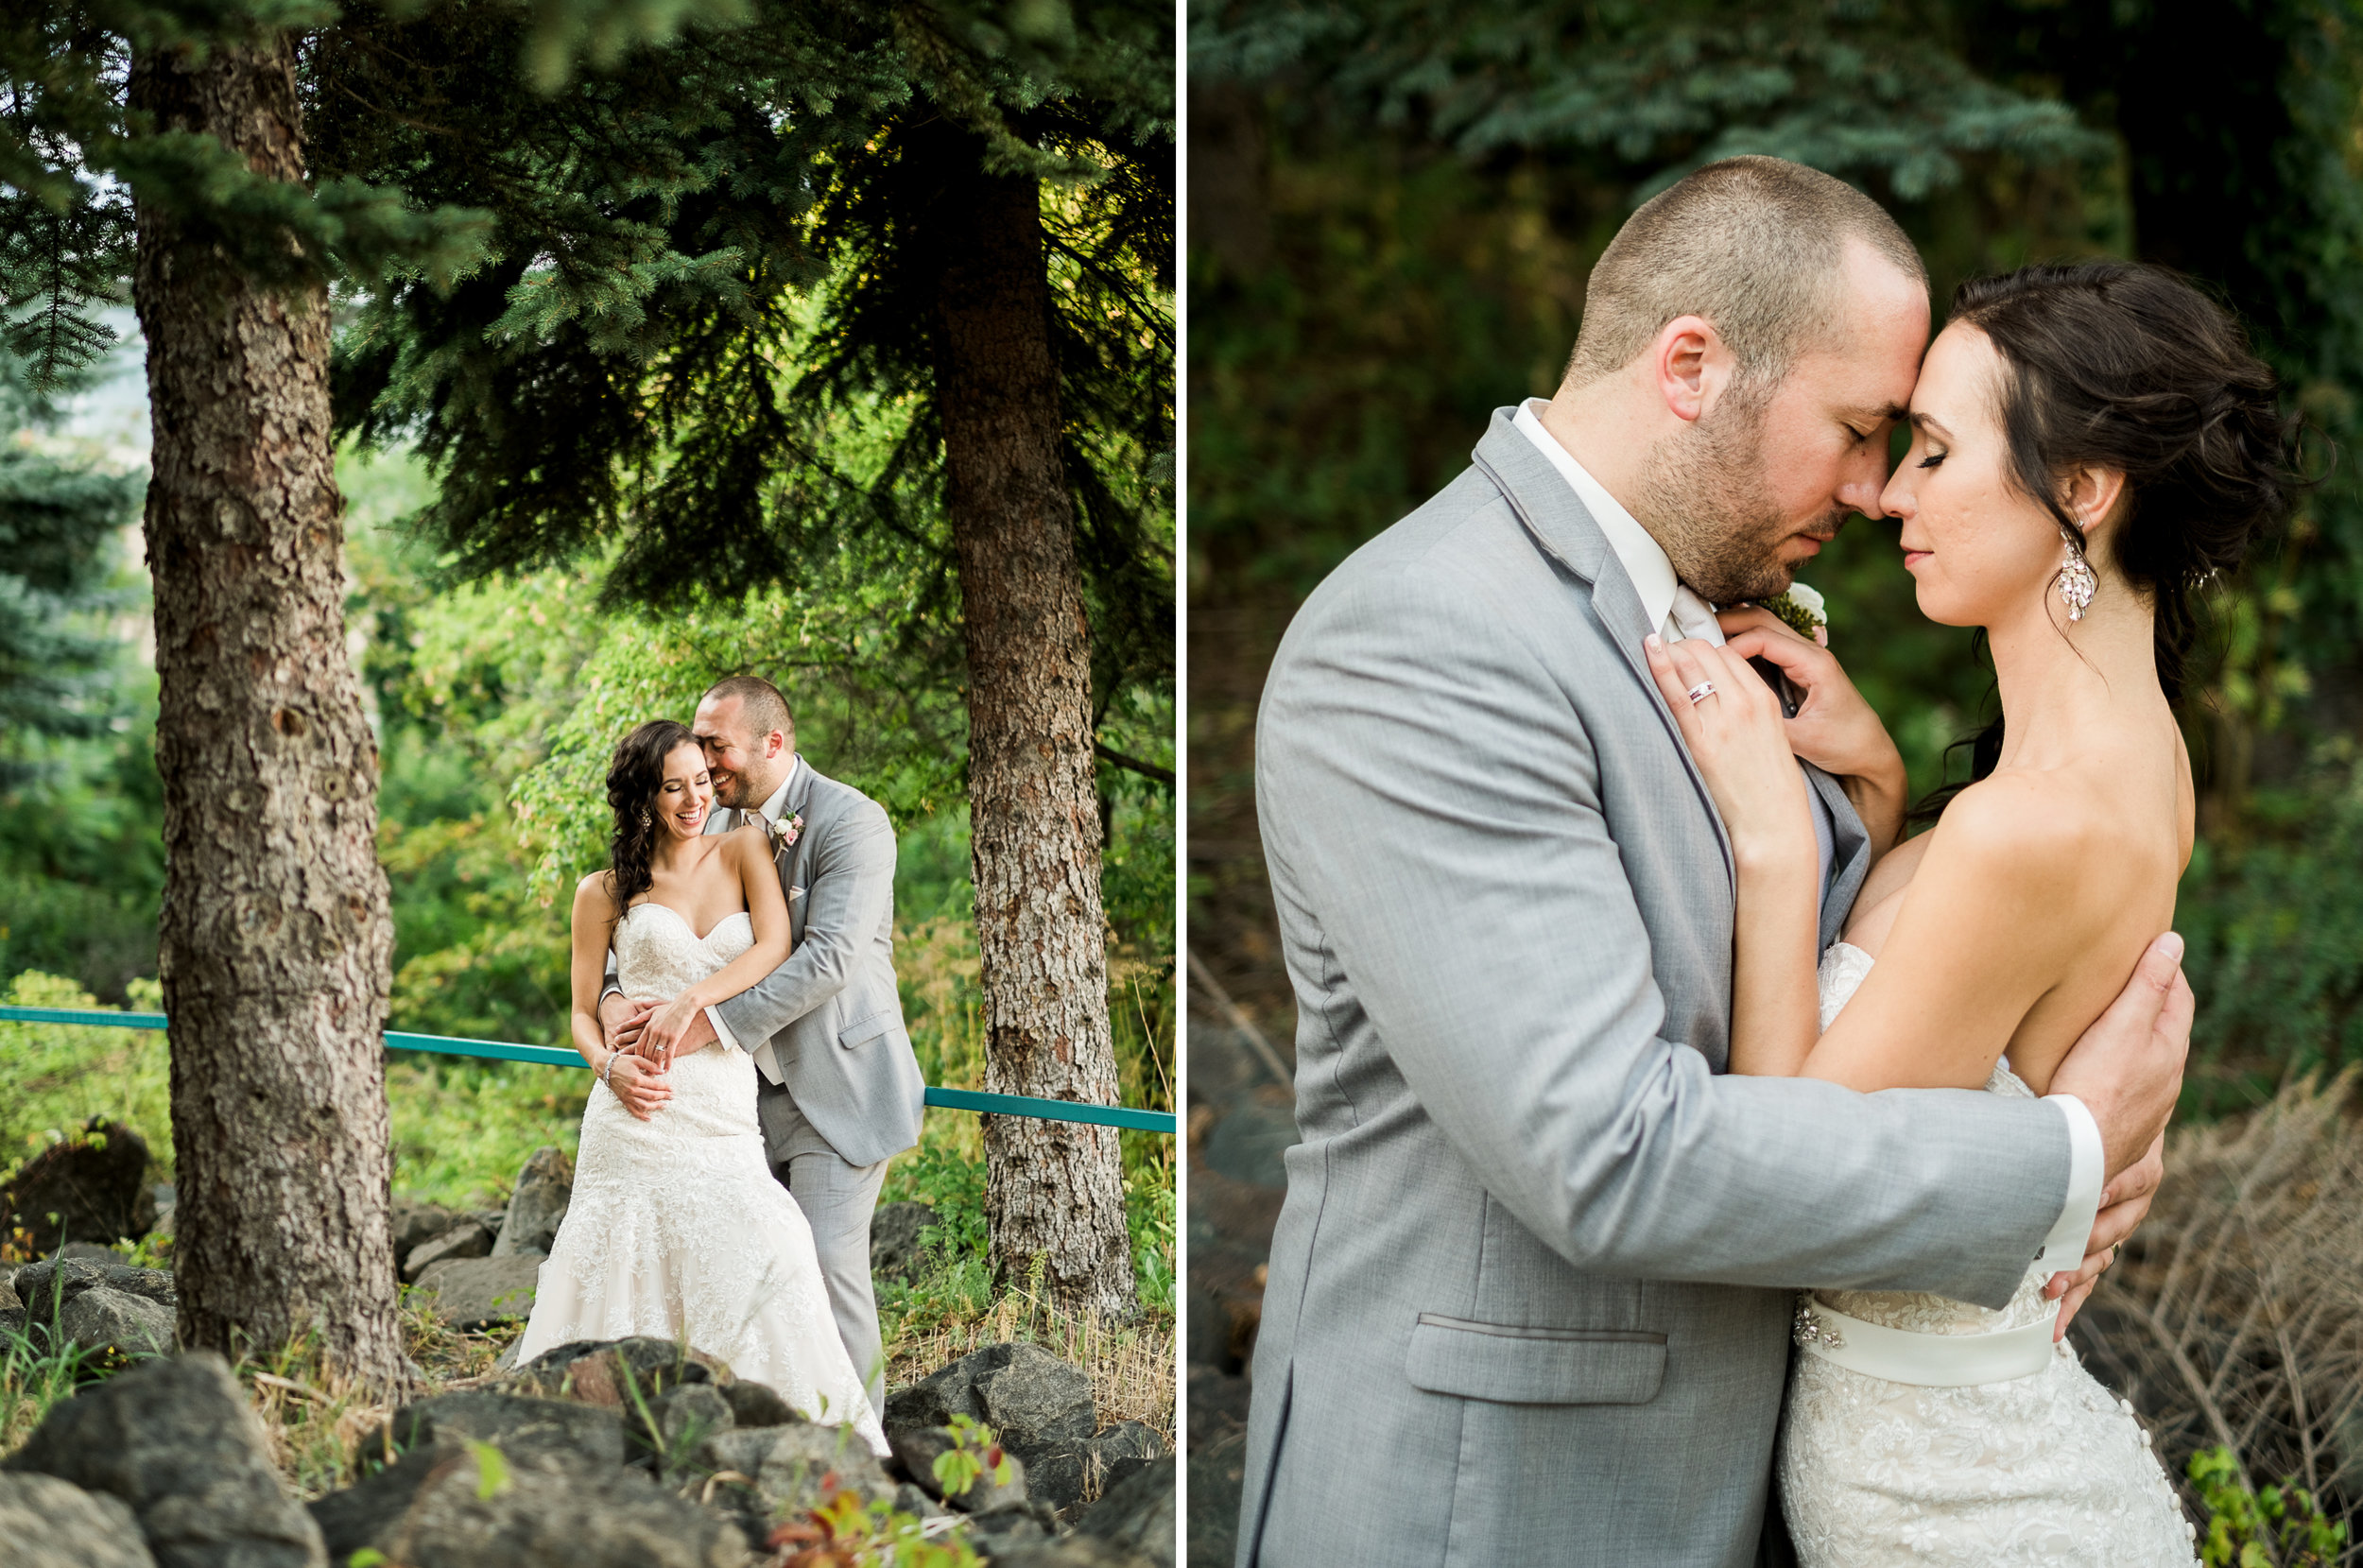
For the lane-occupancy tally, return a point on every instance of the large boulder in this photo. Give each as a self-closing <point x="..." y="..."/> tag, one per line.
<point x="46" y="1523"/>
<point x="1120" y="1453"/>
<point x="757" y="1404"/>
<point x="415" y="1224"/>
<point x="1139" y="1513"/>
<point x="46" y="1286"/>
<point x="174" y="1439"/>
<point x="676" y="1421"/>
<point x="895" y="1250"/>
<point x="1039" y="1405"/>
<point x="467" y="1239"/>
<point x="538" y="1206"/>
<point x="474" y="1293"/>
<point x="93" y="1187"/>
<point x="476" y="1506"/>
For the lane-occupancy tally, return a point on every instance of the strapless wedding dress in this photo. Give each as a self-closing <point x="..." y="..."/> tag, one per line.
<point x="2046" y="1467"/>
<point x="676" y="1228"/>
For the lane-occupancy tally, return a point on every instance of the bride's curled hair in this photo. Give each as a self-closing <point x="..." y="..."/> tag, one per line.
<point x="2117" y="364"/>
<point x="633" y="777"/>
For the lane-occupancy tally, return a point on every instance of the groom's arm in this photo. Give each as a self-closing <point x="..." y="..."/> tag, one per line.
<point x="1428" y="786"/>
<point x="847" y="895"/>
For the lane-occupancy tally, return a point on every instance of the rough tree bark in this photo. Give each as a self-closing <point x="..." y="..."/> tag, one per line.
<point x="275" y="937"/>
<point x="1054" y="1190"/>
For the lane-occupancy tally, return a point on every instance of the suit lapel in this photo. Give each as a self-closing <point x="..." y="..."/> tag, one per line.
<point x="1556" y="518"/>
<point x="1850" y="858"/>
<point x="789" y="857"/>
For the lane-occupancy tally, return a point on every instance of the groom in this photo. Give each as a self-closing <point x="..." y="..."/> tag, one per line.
<point x="1529" y="1298"/>
<point x="840" y="1092"/>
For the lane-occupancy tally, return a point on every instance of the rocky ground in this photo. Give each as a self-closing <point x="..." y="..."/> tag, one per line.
<point x="639" y="1453"/>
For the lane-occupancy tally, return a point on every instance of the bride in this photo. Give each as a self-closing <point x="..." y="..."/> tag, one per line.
<point x="2089" y="442"/>
<point x="676" y="1228"/>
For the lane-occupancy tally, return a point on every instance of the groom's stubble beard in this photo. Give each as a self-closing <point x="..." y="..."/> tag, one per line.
<point x="1706" y="501"/>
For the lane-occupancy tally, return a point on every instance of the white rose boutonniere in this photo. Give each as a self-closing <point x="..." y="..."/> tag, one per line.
<point x="1801" y="608"/>
<point x="783" y="832"/>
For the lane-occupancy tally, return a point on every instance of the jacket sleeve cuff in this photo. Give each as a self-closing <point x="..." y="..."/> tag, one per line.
<point x="2063" y="1249"/>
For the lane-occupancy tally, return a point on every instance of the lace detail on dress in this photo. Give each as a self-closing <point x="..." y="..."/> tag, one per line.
<point x="676" y="1228"/>
<point x="2046" y="1469"/>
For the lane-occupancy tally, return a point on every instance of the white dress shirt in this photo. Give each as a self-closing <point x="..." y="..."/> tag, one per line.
<point x="762" y="817"/>
<point x="1678" y="613"/>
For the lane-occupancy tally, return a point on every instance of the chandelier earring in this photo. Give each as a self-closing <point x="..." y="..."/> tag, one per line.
<point x="2076" y="580"/>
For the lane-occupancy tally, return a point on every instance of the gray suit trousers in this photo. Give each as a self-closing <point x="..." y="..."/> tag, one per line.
<point x="837" y="1198"/>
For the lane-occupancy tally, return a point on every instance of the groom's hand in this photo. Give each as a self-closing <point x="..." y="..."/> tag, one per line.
<point x="640" y="1085"/>
<point x="2127" y="1067"/>
<point x="622" y="1021"/>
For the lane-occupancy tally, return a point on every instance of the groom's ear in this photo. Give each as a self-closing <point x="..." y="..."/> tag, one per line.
<point x="1691" y="366"/>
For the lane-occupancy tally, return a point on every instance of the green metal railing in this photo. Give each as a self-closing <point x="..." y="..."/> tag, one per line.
<point x="551" y="1056"/>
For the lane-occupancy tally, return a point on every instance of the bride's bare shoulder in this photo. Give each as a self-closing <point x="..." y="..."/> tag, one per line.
<point x="594" y="896"/>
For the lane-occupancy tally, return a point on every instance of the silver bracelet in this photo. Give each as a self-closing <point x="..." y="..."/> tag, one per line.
<point x="607" y="1071"/>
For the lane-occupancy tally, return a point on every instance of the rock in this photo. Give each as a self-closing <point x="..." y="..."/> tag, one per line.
<point x="103" y="1318"/>
<point x="1010" y="1529"/>
<point x="416" y="1224"/>
<point x="1037" y="1405"/>
<point x="372" y="1510"/>
<point x="909" y="1499"/>
<point x="472" y="1293"/>
<point x="46" y="1523"/>
<point x="52" y="1282"/>
<point x="896" y="1250"/>
<point x="88" y="1251"/>
<point x="1138" y="1513"/>
<point x="758" y="1405"/>
<point x="685" y="1416"/>
<point x="595" y="1372"/>
<point x="1121" y="1451"/>
<point x="545" y="1187"/>
<point x="91" y="1187"/>
<point x="792" y="1470"/>
<point x="175" y="1438"/>
<point x="468" y="1240"/>
<point x="535" y="1510"/>
<point x="516" y="1424"/>
<point x="920" y="1447"/>
<point x="1075" y="1551"/>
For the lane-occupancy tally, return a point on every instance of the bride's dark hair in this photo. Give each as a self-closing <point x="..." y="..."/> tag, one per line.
<point x="633" y="777"/>
<point x="2118" y="365"/>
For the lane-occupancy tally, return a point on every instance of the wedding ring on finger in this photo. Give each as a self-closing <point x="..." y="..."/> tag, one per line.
<point x="1700" y="692"/>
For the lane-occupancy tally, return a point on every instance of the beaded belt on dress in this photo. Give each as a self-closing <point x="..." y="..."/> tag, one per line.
<point x="1928" y="1360"/>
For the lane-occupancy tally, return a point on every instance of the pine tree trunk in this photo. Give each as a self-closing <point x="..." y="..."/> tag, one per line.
<point x="1055" y="1190"/>
<point x="275" y="937"/>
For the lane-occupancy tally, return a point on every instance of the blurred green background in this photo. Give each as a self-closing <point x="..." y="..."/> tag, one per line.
<point x="1392" y="209"/>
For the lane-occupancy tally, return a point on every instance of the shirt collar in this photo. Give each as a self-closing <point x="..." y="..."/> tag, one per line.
<point x="778" y="803"/>
<point x="1643" y="558"/>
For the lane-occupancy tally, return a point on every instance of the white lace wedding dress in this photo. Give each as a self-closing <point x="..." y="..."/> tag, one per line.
<point x="676" y="1228"/>
<point x="2045" y="1468"/>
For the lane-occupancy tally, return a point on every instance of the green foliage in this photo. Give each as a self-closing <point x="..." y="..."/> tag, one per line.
<point x="41" y="1367"/>
<point x="846" y="1530"/>
<point x="2281" y="1526"/>
<point x="974" y="1456"/>
<point x="55" y="1078"/>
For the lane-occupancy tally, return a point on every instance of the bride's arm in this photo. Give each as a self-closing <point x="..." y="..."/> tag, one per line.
<point x="745" y="852"/>
<point x="1737" y="739"/>
<point x="2005" y="896"/>
<point x="593" y="929"/>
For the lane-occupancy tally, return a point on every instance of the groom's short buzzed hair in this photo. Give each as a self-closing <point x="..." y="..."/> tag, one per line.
<point x="760" y="705"/>
<point x="1754" y="245"/>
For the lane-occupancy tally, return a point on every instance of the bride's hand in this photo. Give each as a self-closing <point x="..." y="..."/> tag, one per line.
<point x="1737" y="734"/>
<point x="664" y="1037"/>
<point x="1834" y="727"/>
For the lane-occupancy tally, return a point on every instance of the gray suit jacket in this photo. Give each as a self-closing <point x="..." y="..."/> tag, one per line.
<point x="1529" y="1296"/>
<point x="827" y="1025"/>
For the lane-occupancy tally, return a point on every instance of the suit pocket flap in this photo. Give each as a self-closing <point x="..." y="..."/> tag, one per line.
<point x="861" y="1031"/>
<point x="1527" y="1365"/>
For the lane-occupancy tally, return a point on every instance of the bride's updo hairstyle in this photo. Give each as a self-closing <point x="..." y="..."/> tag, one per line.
<point x="2116" y="365"/>
<point x="633" y="777"/>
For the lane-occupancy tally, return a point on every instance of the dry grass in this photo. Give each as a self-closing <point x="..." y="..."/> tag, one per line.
<point x="1131" y="1364"/>
<point x="2236" y="1315"/>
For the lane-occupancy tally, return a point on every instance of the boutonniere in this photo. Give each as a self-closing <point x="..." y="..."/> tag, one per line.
<point x="783" y="832"/>
<point x="1802" y="609"/>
